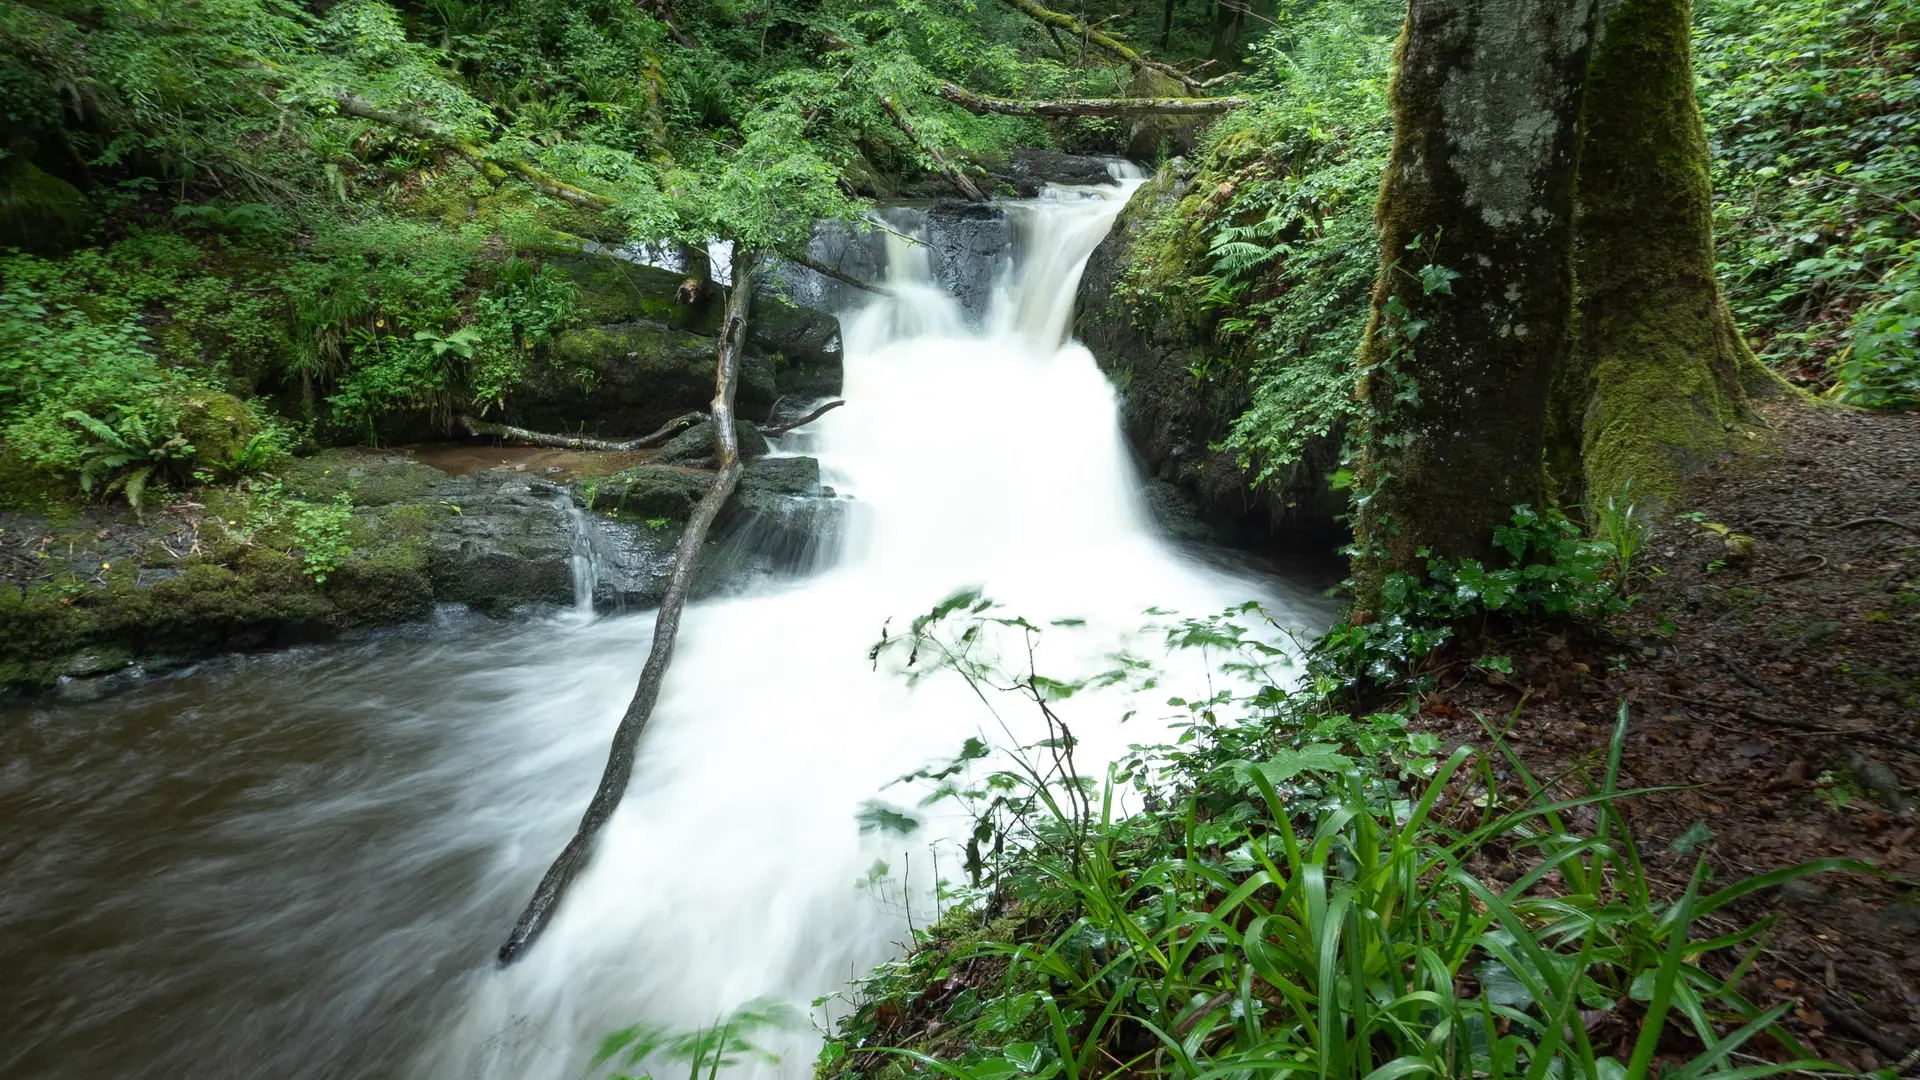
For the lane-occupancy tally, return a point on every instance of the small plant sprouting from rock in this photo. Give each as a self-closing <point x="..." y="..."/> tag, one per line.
<point x="323" y="530"/>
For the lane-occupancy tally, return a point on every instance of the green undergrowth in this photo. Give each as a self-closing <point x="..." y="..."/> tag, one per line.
<point x="1297" y="882"/>
<point x="1268" y="256"/>
<point x="254" y="564"/>
<point x="1814" y="113"/>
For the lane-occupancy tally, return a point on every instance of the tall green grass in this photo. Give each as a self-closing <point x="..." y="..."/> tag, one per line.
<point x="1471" y="929"/>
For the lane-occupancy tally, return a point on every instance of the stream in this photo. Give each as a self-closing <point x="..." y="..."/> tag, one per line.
<point x="299" y="864"/>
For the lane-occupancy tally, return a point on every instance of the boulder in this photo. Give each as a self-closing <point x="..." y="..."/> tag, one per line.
<point x="694" y="446"/>
<point x="630" y="378"/>
<point x="645" y="355"/>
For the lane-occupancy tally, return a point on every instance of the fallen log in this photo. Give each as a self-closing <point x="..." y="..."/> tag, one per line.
<point x="776" y="432"/>
<point x="1178" y="106"/>
<point x="583" y="442"/>
<point x="626" y="738"/>
<point x="954" y="176"/>
<point x="1107" y="43"/>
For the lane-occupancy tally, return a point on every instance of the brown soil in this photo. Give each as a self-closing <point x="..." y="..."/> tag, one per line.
<point x="1778" y="690"/>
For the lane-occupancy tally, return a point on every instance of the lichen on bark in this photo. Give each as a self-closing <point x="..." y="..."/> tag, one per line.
<point x="1454" y="380"/>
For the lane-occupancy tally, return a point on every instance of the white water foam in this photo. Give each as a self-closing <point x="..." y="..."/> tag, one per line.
<point x="736" y="869"/>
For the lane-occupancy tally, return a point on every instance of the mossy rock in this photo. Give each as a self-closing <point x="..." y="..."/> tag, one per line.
<point x="629" y="379"/>
<point x="218" y="425"/>
<point x="613" y="290"/>
<point x="370" y="477"/>
<point x="649" y="493"/>
<point x="39" y="212"/>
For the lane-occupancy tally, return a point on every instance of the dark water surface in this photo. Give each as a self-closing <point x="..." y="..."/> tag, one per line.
<point x="282" y="865"/>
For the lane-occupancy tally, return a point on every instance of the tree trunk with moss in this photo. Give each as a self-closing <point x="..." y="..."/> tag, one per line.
<point x="1659" y="376"/>
<point x="1474" y="302"/>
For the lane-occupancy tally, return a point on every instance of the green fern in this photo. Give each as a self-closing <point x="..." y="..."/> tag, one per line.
<point x="126" y="458"/>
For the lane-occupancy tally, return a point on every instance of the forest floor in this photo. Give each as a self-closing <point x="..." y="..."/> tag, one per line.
<point x="1778" y="693"/>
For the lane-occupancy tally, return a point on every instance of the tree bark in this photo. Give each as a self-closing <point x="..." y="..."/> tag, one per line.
<point x="1105" y="42"/>
<point x="1455" y="373"/>
<point x="583" y="442"/>
<point x="1659" y="376"/>
<point x="958" y="179"/>
<point x="1177" y="106"/>
<point x="619" y="770"/>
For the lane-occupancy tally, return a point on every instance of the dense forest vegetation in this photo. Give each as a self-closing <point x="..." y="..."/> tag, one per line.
<point x="237" y="233"/>
<point x="249" y="228"/>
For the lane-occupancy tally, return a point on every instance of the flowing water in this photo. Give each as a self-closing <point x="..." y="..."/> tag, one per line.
<point x="299" y="865"/>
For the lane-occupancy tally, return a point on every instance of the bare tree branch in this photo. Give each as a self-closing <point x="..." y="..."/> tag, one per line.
<point x="583" y="442"/>
<point x="824" y="270"/>
<point x="776" y="432"/>
<point x="626" y="738"/>
<point x="958" y="179"/>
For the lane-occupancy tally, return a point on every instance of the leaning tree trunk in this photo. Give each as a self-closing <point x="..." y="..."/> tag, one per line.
<point x="1455" y="371"/>
<point x="626" y="738"/>
<point x="1656" y="379"/>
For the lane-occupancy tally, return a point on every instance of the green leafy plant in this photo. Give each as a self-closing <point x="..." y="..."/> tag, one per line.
<point x="323" y="531"/>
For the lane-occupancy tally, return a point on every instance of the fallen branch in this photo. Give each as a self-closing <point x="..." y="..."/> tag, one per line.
<point x="954" y="176"/>
<point x="840" y="276"/>
<point x="1177" y="106"/>
<point x="1106" y="42"/>
<point x="626" y="738"/>
<point x="583" y="442"/>
<point x="776" y="432"/>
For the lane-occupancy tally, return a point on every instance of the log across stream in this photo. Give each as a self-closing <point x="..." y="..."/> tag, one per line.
<point x="300" y="864"/>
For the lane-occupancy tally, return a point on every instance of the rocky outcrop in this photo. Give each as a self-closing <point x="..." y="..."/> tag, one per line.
<point x="646" y="355"/>
<point x="1150" y="349"/>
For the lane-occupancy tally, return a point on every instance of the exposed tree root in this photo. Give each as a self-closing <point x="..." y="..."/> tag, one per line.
<point x="584" y="442"/>
<point x="619" y="770"/>
<point x="1179" y="106"/>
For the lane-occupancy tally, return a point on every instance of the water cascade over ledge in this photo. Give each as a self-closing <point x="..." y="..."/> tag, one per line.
<point x="300" y="865"/>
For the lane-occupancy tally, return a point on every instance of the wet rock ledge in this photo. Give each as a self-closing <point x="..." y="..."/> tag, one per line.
<point x="94" y="605"/>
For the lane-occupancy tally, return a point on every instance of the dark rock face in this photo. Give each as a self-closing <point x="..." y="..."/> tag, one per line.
<point x="967" y="245"/>
<point x="510" y="544"/>
<point x="1170" y="419"/>
<point x="648" y="357"/>
<point x="1028" y="171"/>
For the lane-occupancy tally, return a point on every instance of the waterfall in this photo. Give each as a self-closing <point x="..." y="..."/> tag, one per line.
<point x="984" y="454"/>
<point x="588" y="560"/>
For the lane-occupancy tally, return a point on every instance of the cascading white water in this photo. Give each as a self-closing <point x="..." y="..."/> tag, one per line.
<point x="588" y="563"/>
<point x="736" y="869"/>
